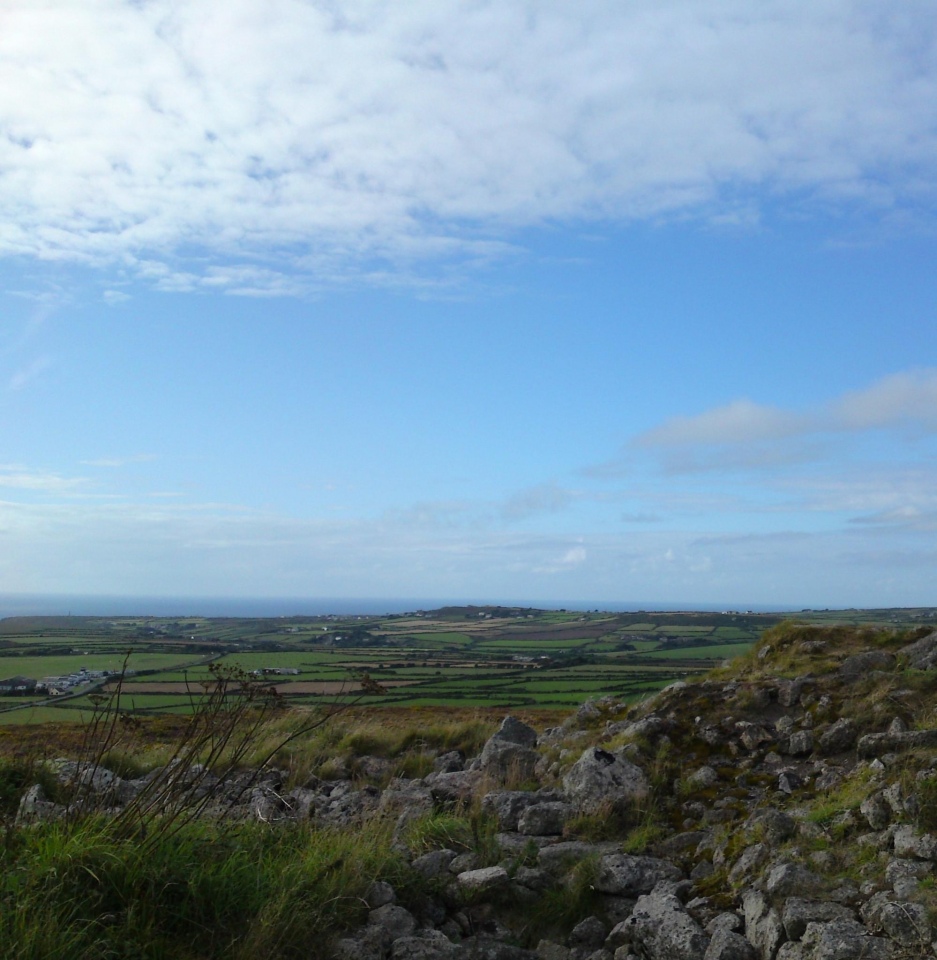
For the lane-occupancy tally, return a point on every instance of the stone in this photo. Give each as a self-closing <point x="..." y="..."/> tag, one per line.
<point x="754" y="735"/>
<point x="903" y="869"/>
<point x="789" y="692"/>
<point x="372" y="943"/>
<point x="703" y="778"/>
<point x="786" y="879"/>
<point x="451" y="762"/>
<point x="505" y="761"/>
<point x="789" y="781"/>
<point x="35" y="807"/>
<point x="590" y="932"/>
<point x="906" y="923"/>
<point x="726" y="945"/>
<point x="774" y="825"/>
<point x="752" y="858"/>
<point x="844" y="940"/>
<point x="509" y="754"/>
<point x="860" y="665"/>
<point x="800" y="743"/>
<point x="544" y="819"/>
<point x="909" y="843"/>
<point x="395" y="920"/>
<point x="622" y="874"/>
<point x="601" y="779"/>
<point x="87" y="776"/>
<point x="350" y="807"/>
<point x="464" y="861"/>
<point x="876" y="811"/>
<point x="548" y="950"/>
<point x="680" y="844"/>
<point x="838" y="737"/>
<point x="507" y="806"/>
<point x="434" y="863"/>
<point x="379" y="894"/>
<point x="483" y="948"/>
<point x="454" y="786"/>
<point x="484" y="880"/>
<point x="797" y="913"/>
<point x="406" y="795"/>
<point x="615" y="909"/>
<point x="922" y="654"/>
<point x="830" y="779"/>
<point x="725" y="921"/>
<point x="516" y="731"/>
<point x="763" y="927"/>
<point x="877" y="744"/>
<point x="662" y="928"/>
<point x="430" y="945"/>
<point x="533" y="878"/>
<point x="558" y="858"/>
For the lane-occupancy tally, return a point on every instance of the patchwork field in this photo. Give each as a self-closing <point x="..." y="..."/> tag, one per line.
<point x="466" y="657"/>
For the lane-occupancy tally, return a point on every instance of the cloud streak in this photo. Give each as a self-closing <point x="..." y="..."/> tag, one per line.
<point x="404" y="133"/>
<point x="907" y="399"/>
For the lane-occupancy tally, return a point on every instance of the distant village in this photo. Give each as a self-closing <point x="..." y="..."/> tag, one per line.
<point x="53" y="686"/>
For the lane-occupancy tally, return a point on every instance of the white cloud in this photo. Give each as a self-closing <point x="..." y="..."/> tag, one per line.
<point x="544" y="498"/>
<point x="901" y="399"/>
<point x="22" y="478"/>
<point x="738" y="422"/>
<point x="909" y="397"/>
<point x="130" y="132"/>
<point x="119" y="461"/>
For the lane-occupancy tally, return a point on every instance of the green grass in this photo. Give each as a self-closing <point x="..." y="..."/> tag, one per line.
<point x="58" y="665"/>
<point x="77" y="893"/>
<point x="716" y="651"/>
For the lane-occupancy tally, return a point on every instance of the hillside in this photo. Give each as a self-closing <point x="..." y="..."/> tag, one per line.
<point x="783" y="806"/>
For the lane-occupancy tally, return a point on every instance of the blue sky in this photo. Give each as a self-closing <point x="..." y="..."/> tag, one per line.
<point x="484" y="300"/>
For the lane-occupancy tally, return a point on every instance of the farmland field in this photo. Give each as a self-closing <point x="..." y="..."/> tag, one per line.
<point x="471" y="657"/>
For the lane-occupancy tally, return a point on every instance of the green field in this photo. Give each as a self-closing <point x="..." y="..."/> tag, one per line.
<point x="463" y="656"/>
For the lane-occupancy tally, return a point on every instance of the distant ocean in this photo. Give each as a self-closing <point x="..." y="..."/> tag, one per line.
<point x="20" y="605"/>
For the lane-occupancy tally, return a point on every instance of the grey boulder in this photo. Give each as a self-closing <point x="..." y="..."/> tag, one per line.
<point x="601" y="779"/>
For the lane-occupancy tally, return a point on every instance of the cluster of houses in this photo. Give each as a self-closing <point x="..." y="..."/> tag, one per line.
<point x="276" y="671"/>
<point x="49" y="686"/>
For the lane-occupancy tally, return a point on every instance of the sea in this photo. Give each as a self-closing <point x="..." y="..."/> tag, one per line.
<point x="91" y="605"/>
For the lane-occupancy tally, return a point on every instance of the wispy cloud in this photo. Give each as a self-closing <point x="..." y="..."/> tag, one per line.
<point x="115" y="462"/>
<point x="25" y="375"/>
<point x="347" y="142"/>
<point x="741" y="421"/>
<point x="21" y="478"/>
<point x="535" y="501"/>
<point x="902" y="399"/>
